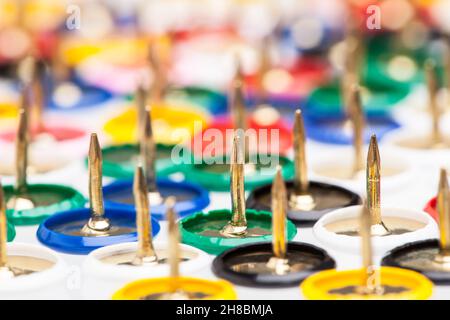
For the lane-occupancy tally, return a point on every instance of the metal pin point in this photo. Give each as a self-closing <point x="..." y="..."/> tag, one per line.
<point x="146" y="254"/>
<point x="372" y="278"/>
<point x="148" y="157"/>
<point x="358" y="123"/>
<point x="97" y="225"/>
<point x="279" y="262"/>
<point x="433" y="88"/>
<point x="5" y="270"/>
<point x="141" y="98"/>
<point x="264" y="68"/>
<point x="443" y="206"/>
<point x="174" y="241"/>
<point x="373" y="188"/>
<point x="237" y="227"/>
<point x="237" y="105"/>
<point x="38" y="96"/>
<point x="159" y="85"/>
<point x="20" y="201"/>
<point x="300" y="198"/>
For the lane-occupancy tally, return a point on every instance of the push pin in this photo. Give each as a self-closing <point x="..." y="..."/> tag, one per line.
<point x="44" y="138"/>
<point x="109" y="268"/>
<point x="28" y="271"/>
<point x="371" y="282"/>
<point x="175" y="120"/>
<point x="219" y="230"/>
<point x="328" y="115"/>
<point x="119" y="194"/>
<point x="308" y="200"/>
<point x="271" y="137"/>
<point x="176" y="287"/>
<point x="120" y="160"/>
<point x="29" y="204"/>
<point x="80" y="231"/>
<point x="429" y="257"/>
<point x="340" y="229"/>
<point x="348" y="168"/>
<point x="213" y="172"/>
<point x="427" y="146"/>
<point x="277" y="264"/>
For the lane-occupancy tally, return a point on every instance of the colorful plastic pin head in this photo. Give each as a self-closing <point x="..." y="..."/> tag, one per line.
<point x="369" y="283"/>
<point x="307" y="200"/>
<point x="429" y="257"/>
<point x="277" y="264"/>
<point x="219" y="230"/>
<point x="83" y="230"/>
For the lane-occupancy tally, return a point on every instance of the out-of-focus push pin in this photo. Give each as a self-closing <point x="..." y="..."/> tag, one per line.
<point x="192" y="198"/>
<point x="107" y="269"/>
<point x="369" y="283"/>
<point x="277" y="264"/>
<point x="29" y="204"/>
<point x="308" y="200"/>
<point x="80" y="231"/>
<point x="119" y="161"/>
<point x="219" y="230"/>
<point x="44" y="137"/>
<point x="213" y="172"/>
<point x="429" y="144"/>
<point x="339" y="230"/>
<point x="348" y="167"/>
<point x="28" y="271"/>
<point x="429" y="257"/>
<point x="175" y="287"/>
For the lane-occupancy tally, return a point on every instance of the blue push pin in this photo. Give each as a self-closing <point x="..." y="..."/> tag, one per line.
<point x="80" y="231"/>
<point x="191" y="198"/>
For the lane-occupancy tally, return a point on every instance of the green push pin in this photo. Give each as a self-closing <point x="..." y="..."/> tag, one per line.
<point x="119" y="161"/>
<point x="213" y="173"/>
<point x="29" y="204"/>
<point x="219" y="230"/>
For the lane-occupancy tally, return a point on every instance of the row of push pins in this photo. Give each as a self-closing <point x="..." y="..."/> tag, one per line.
<point x="279" y="264"/>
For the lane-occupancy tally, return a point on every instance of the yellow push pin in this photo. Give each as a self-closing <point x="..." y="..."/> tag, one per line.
<point x="369" y="283"/>
<point x="175" y="287"/>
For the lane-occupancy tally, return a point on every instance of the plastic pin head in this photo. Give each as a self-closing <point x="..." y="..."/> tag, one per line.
<point x="237" y="227"/>
<point x="97" y="225"/>
<point x="146" y="253"/>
